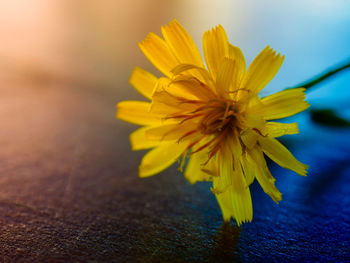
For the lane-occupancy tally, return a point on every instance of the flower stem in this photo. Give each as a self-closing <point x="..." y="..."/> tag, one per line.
<point x="323" y="76"/>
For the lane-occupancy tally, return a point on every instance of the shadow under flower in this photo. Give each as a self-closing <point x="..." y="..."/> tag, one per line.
<point x="227" y="239"/>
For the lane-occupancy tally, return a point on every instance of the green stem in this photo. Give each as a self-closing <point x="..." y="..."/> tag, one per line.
<point x="325" y="75"/>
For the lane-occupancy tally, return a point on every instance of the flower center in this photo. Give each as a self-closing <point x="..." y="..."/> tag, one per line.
<point x="213" y="120"/>
<point x="218" y="116"/>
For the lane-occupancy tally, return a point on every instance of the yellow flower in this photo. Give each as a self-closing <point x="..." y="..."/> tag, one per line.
<point x="212" y="117"/>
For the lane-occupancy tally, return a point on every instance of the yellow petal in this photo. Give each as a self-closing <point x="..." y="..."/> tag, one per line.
<point x="236" y="204"/>
<point x="160" y="158"/>
<point x="276" y="129"/>
<point x="224" y="201"/>
<point x="191" y="85"/>
<point x="283" y="104"/>
<point x="249" y="138"/>
<point x="184" y="89"/>
<point x="143" y="81"/>
<point x="226" y="76"/>
<point x="233" y="145"/>
<point x="236" y="54"/>
<point x="231" y="183"/>
<point x="171" y="131"/>
<point x="181" y="44"/>
<point x="256" y="159"/>
<point x="262" y="70"/>
<point x="161" y="133"/>
<point x="137" y="112"/>
<point x="248" y="169"/>
<point x="190" y="70"/>
<point x="280" y="154"/>
<point x="165" y="103"/>
<point x="158" y="53"/>
<point x="254" y="121"/>
<point x="139" y="140"/>
<point x="215" y="48"/>
<point x="196" y="169"/>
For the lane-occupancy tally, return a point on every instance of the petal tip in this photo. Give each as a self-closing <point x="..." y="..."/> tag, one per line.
<point x="142" y="173"/>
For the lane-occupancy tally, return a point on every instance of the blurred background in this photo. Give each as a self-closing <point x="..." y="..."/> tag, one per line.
<point x="68" y="178"/>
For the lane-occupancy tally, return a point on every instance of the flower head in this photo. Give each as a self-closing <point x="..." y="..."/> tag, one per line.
<point x="212" y="116"/>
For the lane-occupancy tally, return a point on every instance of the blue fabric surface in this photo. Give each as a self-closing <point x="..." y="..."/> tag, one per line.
<point x="311" y="223"/>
